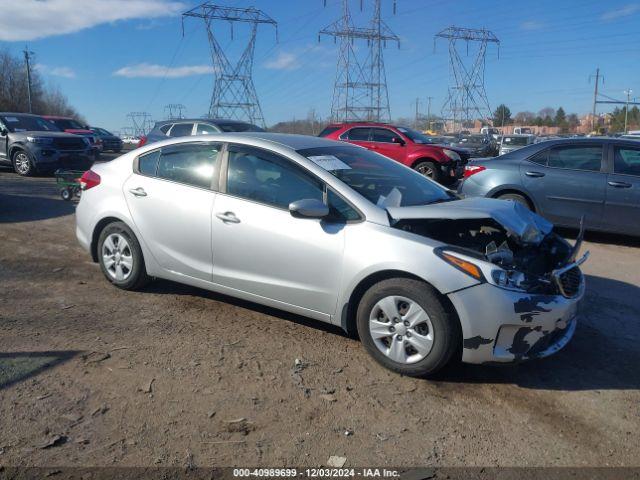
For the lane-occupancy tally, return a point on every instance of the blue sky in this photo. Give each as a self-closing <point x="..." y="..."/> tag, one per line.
<point x="111" y="57"/>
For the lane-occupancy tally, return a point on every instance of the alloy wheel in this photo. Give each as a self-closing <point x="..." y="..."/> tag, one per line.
<point x="425" y="170"/>
<point x="117" y="257"/>
<point x="22" y="163"/>
<point x="401" y="329"/>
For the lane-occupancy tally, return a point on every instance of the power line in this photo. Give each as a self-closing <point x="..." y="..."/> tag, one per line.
<point x="234" y="94"/>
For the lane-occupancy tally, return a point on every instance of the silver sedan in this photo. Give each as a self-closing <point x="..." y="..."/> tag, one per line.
<point x="339" y="234"/>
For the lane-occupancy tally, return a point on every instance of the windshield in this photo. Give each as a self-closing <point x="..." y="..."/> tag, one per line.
<point x="473" y="139"/>
<point x="19" y="123"/>
<point x="67" y="124"/>
<point x="102" y="132"/>
<point x="418" y="137"/>
<point x="521" y="141"/>
<point x="380" y="180"/>
<point x="239" y="127"/>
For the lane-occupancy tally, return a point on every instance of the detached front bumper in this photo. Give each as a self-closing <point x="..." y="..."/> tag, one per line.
<point x="501" y="326"/>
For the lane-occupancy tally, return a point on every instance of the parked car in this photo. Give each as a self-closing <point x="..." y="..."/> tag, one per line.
<point x="509" y="143"/>
<point x="341" y="234"/>
<point x="109" y="140"/>
<point x="444" y="164"/>
<point x="31" y="144"/>
<point x="563" y="180"/>
<point x="70" y="125"/>
<point x="196" y="126"/>
<point x="478" y="145"/>
<point x="522" y="131"/>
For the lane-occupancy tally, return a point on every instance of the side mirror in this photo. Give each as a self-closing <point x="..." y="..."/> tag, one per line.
<point x="398" y="140"/>
<point x="3" y="132"/>
<point x="308" y="208"/>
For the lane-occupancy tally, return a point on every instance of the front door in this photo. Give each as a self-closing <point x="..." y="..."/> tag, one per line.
<point x="567" y="182"/>
<point x="170" y="199"/>
<point x="382" y="141"/>
<point x="4" y="142"/>
<point x="622" y="204"/>
<point x="260" y="247"/>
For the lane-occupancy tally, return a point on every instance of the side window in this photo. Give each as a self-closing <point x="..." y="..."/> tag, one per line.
<point x="264" y="177"/>
<point x="357" y="134"/>
<point x="148" y="163"/>
<point x="181" y="130"/>
<point x="339" y="209"/>
<point x="193" y="164"/>
<point x="383" y="135"/>
<point x="540" y="158"/>
<point x="165" y="128"/>
<point x="627" y="161"/>
<point x="576" y="158"/>
<point x="204" y="129"/>
<point x="328" y="131"/>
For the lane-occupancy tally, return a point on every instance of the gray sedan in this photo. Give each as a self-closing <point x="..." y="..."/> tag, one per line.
<point x="341" y="234"/>
<point x="563" y="180"/>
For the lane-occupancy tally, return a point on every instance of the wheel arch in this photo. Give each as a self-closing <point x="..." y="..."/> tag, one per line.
<point x="504" y="189"/>
<point x="349" y="310"/>
<point x="95" y="235"/>
<point x="418" y="160"/>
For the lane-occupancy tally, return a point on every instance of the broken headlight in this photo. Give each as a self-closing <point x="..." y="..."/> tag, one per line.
<point x="510" y="279"/>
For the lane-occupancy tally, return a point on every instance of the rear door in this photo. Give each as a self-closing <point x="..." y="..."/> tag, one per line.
<point x="567" y="182"/>
<point x="382" y="142"/>
<point x="181" y="129"/>
<point x="358" y="136"/>
<point x="622" y="204"/>
<point x="170" y="197"/>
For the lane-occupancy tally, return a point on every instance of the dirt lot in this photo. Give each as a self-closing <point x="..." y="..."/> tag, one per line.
<point x="176" y="376"/>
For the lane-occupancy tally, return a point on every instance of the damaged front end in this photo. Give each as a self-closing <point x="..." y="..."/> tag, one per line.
<point x="530" y="257"/>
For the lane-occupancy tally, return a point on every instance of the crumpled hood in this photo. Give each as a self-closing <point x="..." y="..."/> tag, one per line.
<point x="523" y="224"/>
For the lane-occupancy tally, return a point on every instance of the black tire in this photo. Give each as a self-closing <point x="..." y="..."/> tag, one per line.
<point x="23" y="163"/>
<point x="446" y="331"/>
<point x="138" y="277"/>
<point x="515" y="197"/>
<point x="429" y="169"/>
<point x="66" y="194"/>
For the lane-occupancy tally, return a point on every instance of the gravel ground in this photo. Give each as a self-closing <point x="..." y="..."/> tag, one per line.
<point x="177" y="376"/>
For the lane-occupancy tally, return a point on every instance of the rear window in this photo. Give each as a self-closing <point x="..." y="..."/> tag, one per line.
<point x="165" y="128"/>
<point x="328" y="131"/>
<point x="181" y="130"/>
<point x="521" y="141"/>
<point x="238" y="127"/>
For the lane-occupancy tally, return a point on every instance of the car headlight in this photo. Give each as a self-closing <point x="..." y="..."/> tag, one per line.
<point x="451" y="154"/>
<point x="40" y="140"/>
<point x="510" y="279"/>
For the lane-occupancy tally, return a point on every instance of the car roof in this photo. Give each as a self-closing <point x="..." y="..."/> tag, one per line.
<point x="361" y="124"/>
<point x="293" y="141"/>
<point x="16" y="114"/>
<point x="208" y="120"/>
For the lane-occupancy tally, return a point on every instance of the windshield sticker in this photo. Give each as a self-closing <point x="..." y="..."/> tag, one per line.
<point x="11" y="119"/>
<point x="329" y="162"/>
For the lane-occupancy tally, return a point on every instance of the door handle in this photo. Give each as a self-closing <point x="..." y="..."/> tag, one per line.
<point x="534" y="174"/>
<point x="138" y="192"/>
<point x="228" y="217"/>
<point x="620" y="184"/>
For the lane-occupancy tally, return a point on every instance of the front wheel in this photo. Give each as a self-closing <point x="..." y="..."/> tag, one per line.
<point x="22" y="164"/>
<point x="120" y="257"/>
<point x="514" y="197"/>
<point x="429" y="169"/>
<point x="404" y="325"/>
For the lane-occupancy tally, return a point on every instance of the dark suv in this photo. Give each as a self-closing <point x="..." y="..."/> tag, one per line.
<point x="442" y="163"/>
<point x="32" y="144"/>
<point x="198" y="126"/>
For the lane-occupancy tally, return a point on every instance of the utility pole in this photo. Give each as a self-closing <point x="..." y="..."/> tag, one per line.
<point x="415" y="122"/>
<point x="429" y="112"/>
<point x="595" y="97"/>
<point x="626" y="110"/>
<point x="27" y="61"/>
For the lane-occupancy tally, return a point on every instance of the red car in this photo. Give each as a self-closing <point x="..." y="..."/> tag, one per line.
<point x="70" y="125"/>
<point x="442" y="163"/>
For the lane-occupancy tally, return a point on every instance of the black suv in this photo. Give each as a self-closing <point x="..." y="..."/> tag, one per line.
<point x="32" y="144"/>
<point x="198" y="126"/>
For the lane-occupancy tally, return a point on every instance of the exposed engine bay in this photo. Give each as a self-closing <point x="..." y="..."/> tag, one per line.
<point x="486" y="239"/>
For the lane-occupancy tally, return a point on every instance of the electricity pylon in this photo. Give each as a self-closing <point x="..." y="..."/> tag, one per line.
<point x="174" y="111"/>
<point x="141" y="123"/>
<point x="360" y="89"/>
<point x="467" y="97"/>
<point x="234" y="94"/>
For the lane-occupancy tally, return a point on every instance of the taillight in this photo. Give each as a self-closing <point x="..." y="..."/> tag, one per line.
<point x="472" y="170"/>
<point x="143" y="141"/>
<point x="89" y="180"/>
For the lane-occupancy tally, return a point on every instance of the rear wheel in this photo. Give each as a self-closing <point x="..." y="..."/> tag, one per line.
<point x="515" y="197"/>
<point x="120" y="257"/>
<point x="429" y="169"/>
<point x="405" y="327"/>
<point x="22" y="163"/>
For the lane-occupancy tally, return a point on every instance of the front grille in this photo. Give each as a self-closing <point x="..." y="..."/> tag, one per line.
<point x="69" y="143"/>
<point x="569" y="282"/>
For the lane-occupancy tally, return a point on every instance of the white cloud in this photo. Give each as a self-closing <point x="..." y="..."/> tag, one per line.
<point x="64" y="72"/>
<point x="23" y="20"/>
<point x="153" y="70"/>
<point x="621" y="12"/>
<point x="284" y="61"/>
<point x="531" y="25"/>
